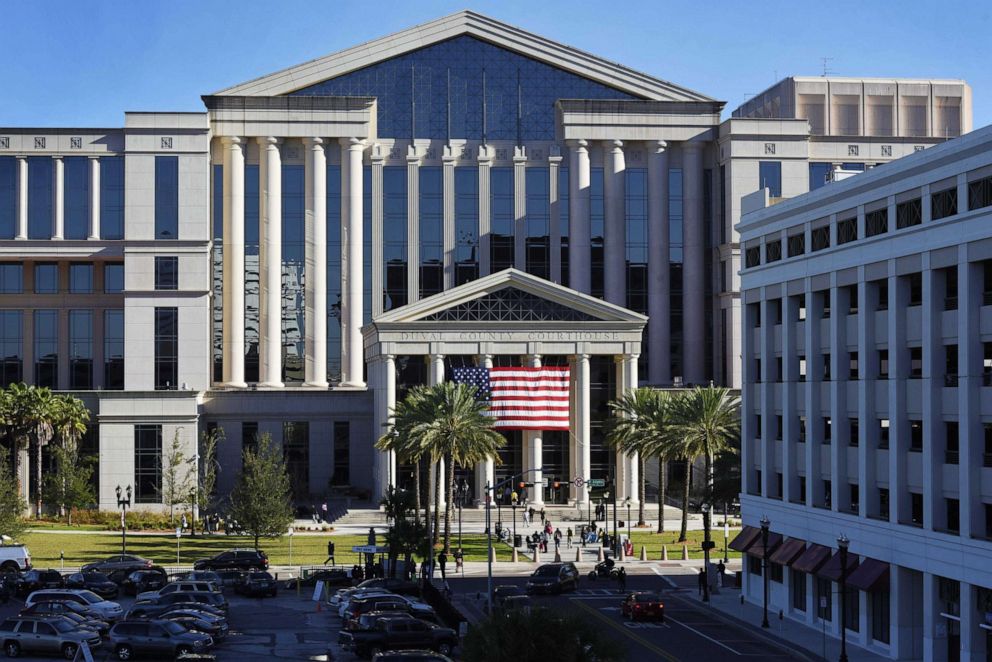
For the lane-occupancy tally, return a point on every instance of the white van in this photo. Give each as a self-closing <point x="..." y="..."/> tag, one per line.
<point x="14" y="557"/>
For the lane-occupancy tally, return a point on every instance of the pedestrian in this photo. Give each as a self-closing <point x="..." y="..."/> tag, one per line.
<point x="544" y="517"/>
<point x="568" y="537"/>
<point x="323" y="511"/>
<point x="720" y="569"/>
<point x="425" y="572"/>
<point x="442" y="560"/>
<point x="526" y="518"/>
<point x="702" y="580"/>
<point x="530" y="515"/>
<point x="330" y="553"/>
<point x="357" y="573"/>
<point x="622" y="580"/>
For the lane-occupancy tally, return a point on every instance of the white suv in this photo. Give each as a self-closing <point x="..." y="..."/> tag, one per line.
<point x="14" y="557"/>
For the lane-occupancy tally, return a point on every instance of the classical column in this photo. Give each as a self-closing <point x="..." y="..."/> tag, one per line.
<point x="615" y="226"/>
<point x="582" y="426"/>
<point x="484" y="471"/>
<point x="94" y="197"/>
<point x="234" y="262"/>
<point x="377" y="158"/>
<point x="659" y="269"/>
<point x="534" y="445"/>
<point x="631" y="461"/>
<point x="352" y="244"/>
<point x="413" y="159"/>
<point x="435" y="375"/>
<point x="520" y="208"/>
<point x="22" y="198"/>
<point x="694" y="299"/>
<point x="58" y="198"/>
<point x="485" y="161"/>
<point x="448" y="161"/>
<point x="270" y="262"/>
<point x="579" y="249"/>
<point x="554" y="227"/>
<point x="315" y="341"/>
<point x="383" y="377"/>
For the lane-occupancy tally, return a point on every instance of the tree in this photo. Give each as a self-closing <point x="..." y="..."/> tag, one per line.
<point x="529" y="636"/>
<point x="12" y="505"/>
<point x="70" y="487"/>
<point x="202" y="495"/>
<point x="404" y="537"/>
<point x="27" y="422"/>
<point x="177" y="481"/>
<point x="261" y="499"/>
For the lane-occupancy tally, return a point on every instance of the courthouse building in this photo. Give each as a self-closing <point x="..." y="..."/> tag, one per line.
<point x="316" y="241"/>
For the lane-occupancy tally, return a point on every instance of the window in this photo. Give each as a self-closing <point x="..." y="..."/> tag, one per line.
<point x="778" y="369"/>
<point x="537" y="240"/>
<point x="950" y="365"/>
<point x="876" y="222"/>
<point x="802" y="367"/>
<point x="757" y="424"/>
<point x="847" y="230"/>
<point x="395" y="238"/>
<point x="752" y="256"/>
<point x="916" y="435"/>
<point x="853" y="432"/>
<point x="852" y="300"/>
<point x="802" y="430"/>
<point x="778" y="427"/>
<point x="916" y="508"/>
<point x="46" y="348"/>
<point x="773" y="250"/>
<point x="819" y="175"/>
<point x="915" y="289"/>
<point x="80" y="349"/>
<point x="826" y="367"/>
<point x="883" y="364"/>
<point x="40" y="179"/>
<point x="754" y="565"/>
<point x="770" y="177"/>
<point x="113" y="278"/>
<point x="950" y="288"/>
<point x="8" y="197"/>
<point x="166" y="348"/>
<point x="775" y="306"/>
<point x="11" y="347"/>
<point x="828" y="494"/>
<point x="883" y="294"/>
<point x="827" y="426"/>
<point x="883" y="433"/>
<point x="113" y="349"/>
<point x="980" y="193"/>
<point x="81" y="278"/>
<point x="953" y="508"/>
<point x="883" y="503"/>
<point x="909" y="213"/>
<point x="431" y="231"/>
<point x="987" y="459"/>
<point x="501" y="246"/>
<point x="880" y="623"/>
<point x="296" y="453"/>
<point x="802" y="490"/>
<point x="951" y="442"/>
<point x="166" y="272"/>
<point x="824" y="599"/>
<point x="147" y="463"/>
<point x="987" y="364"/>
<point x="801" y="307"/>
<point x="915" y="362"/>
<point x="11" y="278"/>
<point x="944" y="203"/>
<point x="757" y="370"/>
<point x="249" y="437"/>
<point x="852" y="361"/>
<point x="797" y="244"/>
<point x="775" y="573"/>
<point x="852" y="613"/>
<point x="820" y="238"/>
<point x="854" y="496"/>
<point x="986" y="282"/>
<point x="824" y="299"/>
<point x="76" y="201"/>
<point x="166" y="197"/>
<point x="46" y="278"/>
<point x="467" y="225"/>
<point x="342" y="453"/>
<point x="111" y="197"/>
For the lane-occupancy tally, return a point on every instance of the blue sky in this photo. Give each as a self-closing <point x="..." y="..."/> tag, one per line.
<point x="71" y="63"/>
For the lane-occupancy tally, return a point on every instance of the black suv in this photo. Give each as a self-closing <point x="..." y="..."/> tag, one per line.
<point x="236" y="559"/>
<point x="35" y="580"/>
<point x="554" y="578"/>
<point x="257" y="584"/>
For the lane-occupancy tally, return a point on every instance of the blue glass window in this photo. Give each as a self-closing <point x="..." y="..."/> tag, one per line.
<point x="46" y="278"/>
<point x="675" y="214"/>
<point x="81" y="278"/>
<point x="597" y="227"/>
<point x="394" y="237"/>
<point x="431" y="231"/>
<point x="217" y="272"/>
<point x="819" y="175"/>
<point x="252" y="315"/>
<point x="466" y="225"/>
<point x="501" y="253"/>
<point x="111" y="197"/>
<point x="113" y="350"/>
<point x="293" y="261"/>
<point x="367" y="242"/>
<point x="563" y="222"/>
<point x="11" y="347"/>
<point x="8" y="197"/>
<point x="113" y="278"/>
<point x="333" y="273"/>
<point x="166" y="197"/>
<point x="465" y="88"/>
<point x="166" y="272"/>
<point x="76" y="170"/>
<point x="637" y="239"/>
<point x="81" y="349"/>
<point x="166" y="349"/>
<point x="40" y="197"/>
<point x="147" y="463"/>
<point x="11" y="278"/>
<point x="770" y="177"/>
<point x="538" y="208"/>
<point x="46" y="348"/>
<point x="675" y="266"/>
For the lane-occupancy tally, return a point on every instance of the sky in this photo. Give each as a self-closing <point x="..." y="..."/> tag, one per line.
<point x="83" y="64"/>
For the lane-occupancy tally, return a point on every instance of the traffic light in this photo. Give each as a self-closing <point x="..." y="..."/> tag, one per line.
<point x="522" y="485"/>
<point x="557" y="484"/>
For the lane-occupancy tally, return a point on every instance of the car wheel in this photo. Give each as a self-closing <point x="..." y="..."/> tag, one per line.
<point x="444" y="648"/>
<point x="124" y="652"/>
<point x="375" y="651"/>
<point x="183" y="650"/>
<point x="69" y="651"/>
<point x="12" y="649"/>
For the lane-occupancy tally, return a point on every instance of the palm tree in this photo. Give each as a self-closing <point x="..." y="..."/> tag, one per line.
<point x="27" y="422"/>
<point x="69" y="417"/>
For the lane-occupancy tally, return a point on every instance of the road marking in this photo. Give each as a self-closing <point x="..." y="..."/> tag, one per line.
<point x="705" y="636"/>
<point x="627" y="632"/>
<point x="667" y="579"/>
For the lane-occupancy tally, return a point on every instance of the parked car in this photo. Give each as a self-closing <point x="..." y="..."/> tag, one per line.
<point x="14" y="558"/>
<point x="203" y="614"/>
<point x="130" y="639"/>
<point x="554" y="578"/>
<point x="107" y="610"/>
<point x="514" y="602"/>
<point x="345" y="601"/>
<point x="204" y="597"/>
<point x="229" y="578"/>
<point x="49" y="636"/>
<point x="97" y="582"/>
<point x="389" y="602"/>
<point x="34" y="580"/>
<point x="333" y="577"/>
<point x="504" y="591"/>
<point x="644" y="605"/>
<point x="398" y="633"/>
<point x="257" y="584"/>
<point x="205" y="576"/>
<point x="368" y="620"/>
<point x="150" y="610"/>
<point x="410" y="656"/>
<point x="140" y="581"/>
<point x="182" y="586"/>
<point x="118" y="562"/>
<point x="70" y="610"/>
<point x="395" y="585"/>
<point x="217" y="629"/>
<point x="235" y="559"/>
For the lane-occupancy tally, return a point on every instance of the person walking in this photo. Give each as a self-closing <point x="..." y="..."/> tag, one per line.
<point x="622" y="580"/>
<point x="702" y="580"/>
<point x="442" y="560"/>
<point x="568" y="538"/>
<point x="526" y="517"/>
<point x="544" y="517"/>
<point x="721" y="568"/>
<point x="330" y="553"/>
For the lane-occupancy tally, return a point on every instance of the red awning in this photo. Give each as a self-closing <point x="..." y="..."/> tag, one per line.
<point x="811" y="560"/>
<point x="871" y="575"/>
<point x="758" y="548"/>
<point x="831" y="569"/>
<point x="788" y="552"/>
<point x="745" y="538"/>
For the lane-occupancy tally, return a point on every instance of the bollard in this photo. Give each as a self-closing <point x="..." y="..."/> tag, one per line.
<point x="578" y="554"/>
<point x="644" y="553"/>
<point x="557" y="556"/>
<point x="492" y="554"/>
<point x="664" y="552"/>
<point x="516" y="557"/>
<point x="600" y="556"/>
<point x="685" y="552"/>
<point x="623" y="555"/>
<point x="537" y="555"/>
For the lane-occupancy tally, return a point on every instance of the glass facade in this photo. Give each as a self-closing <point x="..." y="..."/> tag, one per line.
<point x="394" y="237"/>
<point x="563" y="222"/>
<point x="431" y="231"/>
<point x="538" y="208"/>
<point x="464" y="88"/>
<point x="40" y="178"/>
<point x="11" y="278"/>
<point x="80" y="349"/>
<point x="501" y="248"/>
<point x="252" y="282"/>
<point x="147" y="463"/>
<point x="333" y="273"/>
<point x="675" y="266"/>
<point x="217" y="271"/>
<point x="296" y="453"/>
<point x="819" y="175"/>
<point x="11" y="347"/>
<point x="8" y="197"/>
<point x="636" y="203"/>
<point x="466" y="225"/>
<point x="76" y="170"/>
<point x="113" y="350"/>
<point x="770" y="177"/>
<point x="167" y="197"/>
<point x="46" y="278"/>
<point x="46" y="348"/>
<point x="113" y="278"/>
<point x="166" y="272"/>
<point x="166" y="348"/>
<point x="111" y="197"/>
<point x="293" y="258"/>
<point x="597" y="228"/>
<point x="81" y="278"/>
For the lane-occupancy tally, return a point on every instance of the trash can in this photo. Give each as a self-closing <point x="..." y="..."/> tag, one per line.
<point x="739" y="579"/>
<point x="518" y="540"/>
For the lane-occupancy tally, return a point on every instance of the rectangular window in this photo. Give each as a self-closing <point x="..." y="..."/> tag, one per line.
<point x="916" y="508"/>
<point x="113" y="350"/>
<point x="11" y="278"/>
<point x="752" y="256"/>
<point x="501" y="253"/>
<point x="431" y="231"/>
<point x="852" y="300"/>
<point x="909" y="213"/>
<point x="950" y="365"/>
<point x="953" y="507"/>
<point x="802" y="367"/>
<point x="636" y="248"/>
<point x="81" y="278"/>
<point x="819" y="175"/>
<point x="46" y="348"/>
<point x="798" y="582"/>
<point x="11" y="347"/>
<point x="778" y="427"/>
<point x="111" y="197"/>
<point x="852" y="613"/>
<point x="770" y="177"/>
<point x="249" y="437"/>
<point x="951" y="442"/>
<point x="824" y="599"/>
<point x="915" y="289"/>
<point x="537" y="241"/>
<point x="882" y="289"/>
<point x="342" y="453"/>
<point x="883" y="433"/>
<point x="775" y="573"/>
<point x="296" y="453"/>
<point x="979" y="193"/>
<point x="802" y="430"/>
<point x="113" y="278"/>
<point x="76" y="201"/>
<point x="853" y="432"/>
<point x="81" y="350"/>
<point x="827" y="429"/>
<point x="880" y="623"/>
<point x="854" y="495"/>
<point x="773" y="250"/>
<point x="828" y="494"/>
<point x="852" y="365"/>
<point x="847" y="230"/>
<point x="467" y="225"/>
<point x="293" y="272"/>
<point x="883" y="503"/>
<point x="915" y="362"/>
<point x="8" y="197"/>
<point x="821" y="238"/>
<point x="826" y="367"/>
<point x="166" y="197"/>
<point x="40" y="197"/>
<point x="883" y="364"/>
<point x="563" y="222"/>
<point x="166" y="272"/>
<point x="916" y="436"/>
<point x="147" y="463"/>
<point x="394" y="228"/>
<point x="797" y="244"/>
<point x="876" y="222"/>
<point x="334" y="283"/>
<point x="166" y="348"/>
<point x="950" y="288"/>
<point x="943" y="203"/>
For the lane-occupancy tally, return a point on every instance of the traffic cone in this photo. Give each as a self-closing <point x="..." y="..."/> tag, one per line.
<point x="664" y="552"/>
<point x="578" y="554"/>
<point x="516" y="556"/>
<point x="685" y="552"/>
<point x="318" y="606"/>
<point x="644" y="553"/>
<point x="600" y="557"/>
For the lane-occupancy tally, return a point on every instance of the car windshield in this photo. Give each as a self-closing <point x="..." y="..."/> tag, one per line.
<point x="261" y="575"/>
<point x="173" y="628"/>
<point x="546" y="571"/>
<point x="51" y="575"/>
<point x="96" y="577"/>
<point x="90" y="597"/>
<point x="647" y="597"/>
<point x="63" y="625"/>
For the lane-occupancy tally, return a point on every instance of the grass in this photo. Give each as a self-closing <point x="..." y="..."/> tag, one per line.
<point x="654" y="541"/>
<point x="307" y="550"/>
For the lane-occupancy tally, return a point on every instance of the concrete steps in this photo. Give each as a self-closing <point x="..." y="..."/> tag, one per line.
<point x="365" y="514"/>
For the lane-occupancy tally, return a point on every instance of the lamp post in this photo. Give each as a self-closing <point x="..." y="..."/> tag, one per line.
<point x="462" y="497"/>
<point x="513" y="506"/>
<point x="842" y="543"/>
<point x="290" y="534"/>
<point x="706" y="551"/>
<point x="123" y="502"/>
<point x="626" y="502"/>
<point x="765" y="524"/>
<point x="726" y="533"/>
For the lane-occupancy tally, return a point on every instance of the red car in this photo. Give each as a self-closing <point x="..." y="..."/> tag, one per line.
<point x="644" y="605"/>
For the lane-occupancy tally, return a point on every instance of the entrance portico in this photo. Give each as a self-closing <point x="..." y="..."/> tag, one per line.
<point x="509" y="313"/>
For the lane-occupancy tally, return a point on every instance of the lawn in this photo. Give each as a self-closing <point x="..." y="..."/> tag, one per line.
<point x="654" y="541"/>
<point x="307" y="550"/>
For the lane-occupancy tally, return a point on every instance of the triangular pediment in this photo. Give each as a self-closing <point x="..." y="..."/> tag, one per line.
<point x="509" y="297"/>
<point x="626" y="82"/>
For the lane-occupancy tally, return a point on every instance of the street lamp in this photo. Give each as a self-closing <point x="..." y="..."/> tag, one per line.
<point x="765" y="524"/>
<point x="726" y="533"/>
<point x="123" y="503"/>
<point x="626" y="502"/>
<point x="842" y="543"/>
<point x="462" y="495"/>
<point x="706" y="551"/>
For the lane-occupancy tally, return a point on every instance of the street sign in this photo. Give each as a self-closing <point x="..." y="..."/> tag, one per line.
<point x="370" y="549"/>
<point x="597" y="482"/>
<point x="179" y="532"/>
<point x="544" y="482"/>
<point x="579" y="481"/>
<point x="708" y="544"/>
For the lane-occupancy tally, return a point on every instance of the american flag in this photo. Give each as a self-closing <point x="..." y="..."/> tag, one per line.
<point x="521" y="398"/>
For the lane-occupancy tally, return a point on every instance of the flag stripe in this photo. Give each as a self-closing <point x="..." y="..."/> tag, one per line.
<point x="522" y="398"/>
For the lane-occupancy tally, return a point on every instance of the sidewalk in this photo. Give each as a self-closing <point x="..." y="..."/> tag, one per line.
<point x="784" y="632"/>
